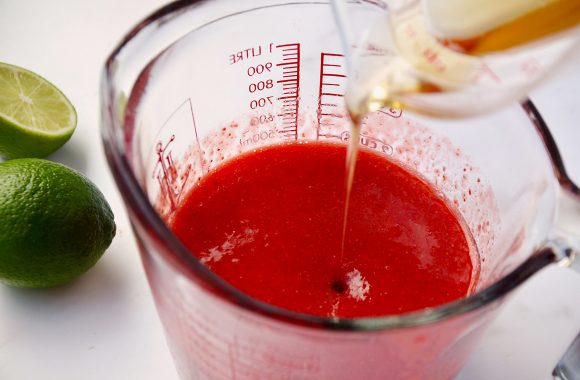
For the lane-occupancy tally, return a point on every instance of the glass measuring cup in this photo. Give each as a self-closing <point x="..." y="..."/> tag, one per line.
<point x="200" y="82"/>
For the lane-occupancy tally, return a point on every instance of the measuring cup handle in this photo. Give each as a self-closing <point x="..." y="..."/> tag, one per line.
<point x="565" y="237"/>
<point x="566" y="234"/>
<point x="565" y="240"/>
<point x="565" y="244"/>
<point x="566" y="231"/>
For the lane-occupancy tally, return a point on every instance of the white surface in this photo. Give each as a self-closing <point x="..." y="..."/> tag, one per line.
<point x="104" y="325"/>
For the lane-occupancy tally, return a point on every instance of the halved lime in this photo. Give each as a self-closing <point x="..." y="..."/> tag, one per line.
<point x="35" y="117"/>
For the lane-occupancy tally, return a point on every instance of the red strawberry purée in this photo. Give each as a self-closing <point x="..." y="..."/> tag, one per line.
<point x="270" y="223"/>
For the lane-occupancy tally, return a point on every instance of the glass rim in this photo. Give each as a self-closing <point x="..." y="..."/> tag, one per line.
<point x="143" y="214"/>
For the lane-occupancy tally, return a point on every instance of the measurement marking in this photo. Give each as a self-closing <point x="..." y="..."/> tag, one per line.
<point x="196" y="136"/>
<point x="290" y="81"/>
<point x="331" y="66"/>
<point x="333" y="55"/>
<point x="173" y="113"/>
<point x="167" y="175"/>
<point x="171" y="179"/>
<point x="392" y="112"/>
<point x="329" y="135"/>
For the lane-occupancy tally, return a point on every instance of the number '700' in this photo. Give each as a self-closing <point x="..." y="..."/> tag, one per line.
<point x="261" y="102"/>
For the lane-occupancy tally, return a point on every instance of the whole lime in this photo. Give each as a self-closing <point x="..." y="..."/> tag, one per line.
<point x="54" y="223"/>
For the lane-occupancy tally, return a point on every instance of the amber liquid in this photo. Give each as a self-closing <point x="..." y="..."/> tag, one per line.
<point x="553" y="18"/>
<point x="550" y="19"/>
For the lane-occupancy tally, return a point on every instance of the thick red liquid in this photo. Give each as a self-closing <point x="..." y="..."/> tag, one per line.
<point x="270" y="223"/>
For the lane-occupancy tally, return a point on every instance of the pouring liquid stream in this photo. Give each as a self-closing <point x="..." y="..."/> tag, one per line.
<point x="351" y="155"/>
<point x="429" y="53"/>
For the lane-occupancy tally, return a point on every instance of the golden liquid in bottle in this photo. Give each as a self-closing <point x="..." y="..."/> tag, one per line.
<point x="550" y="19"/>
<point x="459" y="55"/>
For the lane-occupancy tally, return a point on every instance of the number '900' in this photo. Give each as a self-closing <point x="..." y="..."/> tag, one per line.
<point x="259" y="69"/>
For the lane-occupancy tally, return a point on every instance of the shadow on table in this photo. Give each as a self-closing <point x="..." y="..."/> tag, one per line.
<point x="103" y="286"/>
<point x="71" y="155"/>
